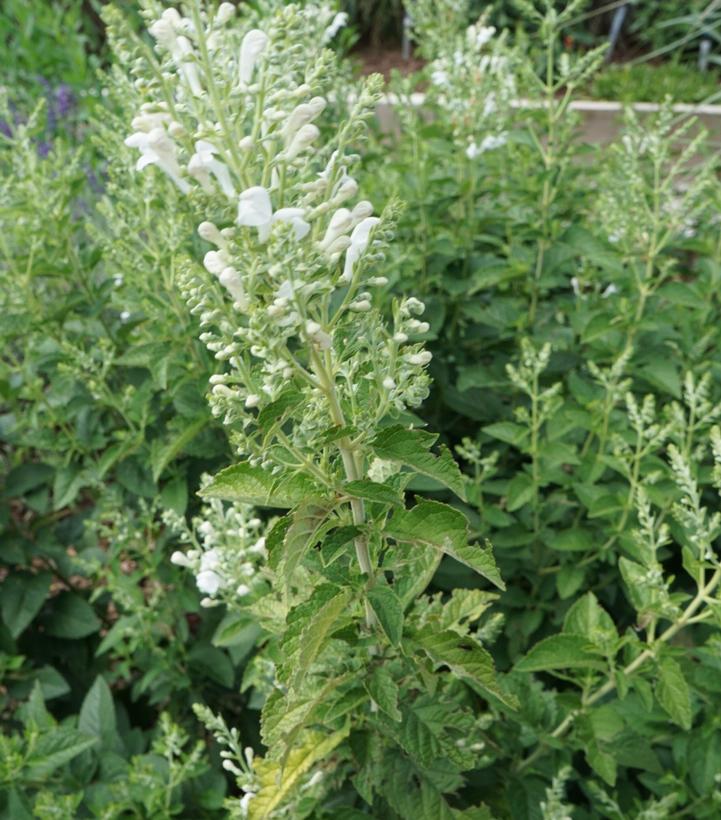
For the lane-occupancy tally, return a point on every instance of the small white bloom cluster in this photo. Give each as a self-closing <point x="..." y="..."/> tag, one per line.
<point x="472" y="78"/>
<point x="227" y="551"/>
<point x="651" y="194"/>
<point x="291" y="243"/>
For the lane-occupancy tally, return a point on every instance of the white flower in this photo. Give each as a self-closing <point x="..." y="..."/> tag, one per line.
<point x="358" y="243"/>
<point x="146" y="121"/>
<point x="242" y="590"/>
<point x="303" y="139"/>
<point x="256" y="211"/>
<point x="210" y="232"/>
<point x="203" y="163"/>
<point x="231" y="281"/>
<point x="215" y="262"/>
<point x="224" y="14"/>
<point x="609" y="291"/>
<point x="157" y="148"/>
<point x="253" y="45"/>
<point x="488" y="143"/>
<point x="421" y="359"/>
<point x="245" y="801"/>
<point x="439" y="77"/>
<point x="208" y="582"/>
<point x="338" y="22"/>
<point x="480" y="35"/>
<point x="295" y="217"/>
<point x="388" y="383"/>
<point x="180" y="559"/>
<point x="165" y="31"/>
<point x="340" y="223"/>
<point x="301" y="115"/>
<point x="124" y="316"/>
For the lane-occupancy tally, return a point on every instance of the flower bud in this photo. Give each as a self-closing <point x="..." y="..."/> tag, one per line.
<point x="302" y="140"/>
<point x="215" y="262"/>
<point x="225" y="13"/>
<point x="209" y="232"/>
<point x="231" y="280"/>
<point x="340" y="223"/>
<point x="253" y="45"/>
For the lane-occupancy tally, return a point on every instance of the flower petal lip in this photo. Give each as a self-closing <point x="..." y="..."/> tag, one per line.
<point x="254" y="207"/>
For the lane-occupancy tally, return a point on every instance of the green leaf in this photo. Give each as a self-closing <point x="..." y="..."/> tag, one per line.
<point x="565" y="651"/>
<point x="569" y="580"/>
<point x="384" y="691"/>
<point x="336" y="543"/>
<point x="437" y="525"/>
<point x="21" y="598"/>
<point x="588" y="618"/>
<point x="602" y="763"/>
<point x="411" y="447"/>
<point x="673" y="693"/>
<point x="54" y="749"/>
<point x="466" y="658"/>
<point x="34" y="713"/>
<point x="52" y="682"/>
<point x="519" y="492"/>
<point x="373" y="491"/>
<point x="315" y="634"/>
<point x="278" y="780"/>
<point x="507" y="431"/>
<point x="213" y="663"/>
<point x="67" y="484"/>
<point x="270" y="416"/>
<point x="309" y="523"/>
<point x="72" y="617"/>
<point x="163" y="455"/>
<point x="97" y="714"/>
<point x="253" y="485"/>
<point x="573" y="540"/>
<point x="389" y="611"/>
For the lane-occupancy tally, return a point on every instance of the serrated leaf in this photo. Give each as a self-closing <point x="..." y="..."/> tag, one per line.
<point x="309" y="523"/>
<point x="564" y="651"/>
<point x="388" y="609"/>
<point x="673" y="693"/>
<point x="588" y="618"/>
<point x="465" y="605"/>
<point x="411" y="447"/>
<point x="336" y="543"/>
<point x="279" y="409"/>
<point x="319" y="625"/>
<point x="373" y="491"/>
<point x="466" y="658"/>
<point x="54" y="749"/>
<point x="277" y="781"/>
<point x="437" y="525"/>
<point x="253" y="485"/>
<point x="384" y="691"/>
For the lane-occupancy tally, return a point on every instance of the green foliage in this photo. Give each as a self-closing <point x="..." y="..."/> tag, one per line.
<point x="217" y="491"/>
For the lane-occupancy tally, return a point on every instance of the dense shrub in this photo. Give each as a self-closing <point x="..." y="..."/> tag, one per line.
<point x="237" y="575"/>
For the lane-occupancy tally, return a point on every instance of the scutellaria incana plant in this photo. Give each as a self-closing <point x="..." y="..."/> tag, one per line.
<point x="317" y="390"/>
